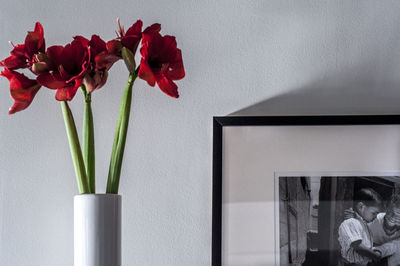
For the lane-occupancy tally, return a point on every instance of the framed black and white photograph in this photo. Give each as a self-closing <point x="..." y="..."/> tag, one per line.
<point x="306" y="190"/>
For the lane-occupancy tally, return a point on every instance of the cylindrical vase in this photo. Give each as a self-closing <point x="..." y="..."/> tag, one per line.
<point x="97" y="230"/>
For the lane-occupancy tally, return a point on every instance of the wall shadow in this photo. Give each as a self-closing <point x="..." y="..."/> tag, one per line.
<point x="347" y="92"/>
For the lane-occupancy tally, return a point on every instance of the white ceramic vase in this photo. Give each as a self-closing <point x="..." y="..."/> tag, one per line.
<point x="97" y="230"/>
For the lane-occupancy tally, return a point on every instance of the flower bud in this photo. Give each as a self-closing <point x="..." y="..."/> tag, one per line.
<point x="40" y="57"/>
<point x="38" y="68"/>
<point x="129" y="59"/>
<point x="96" y="81"/>
<point x="41" y="64"/>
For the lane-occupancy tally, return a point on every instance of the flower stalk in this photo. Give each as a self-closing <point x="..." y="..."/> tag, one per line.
<point x="120" y="137"/>
<point x="75" y="148"/>
<point x="88" y="141"/>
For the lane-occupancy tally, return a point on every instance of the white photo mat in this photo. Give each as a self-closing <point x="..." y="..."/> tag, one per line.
<point x="252" y="157"/>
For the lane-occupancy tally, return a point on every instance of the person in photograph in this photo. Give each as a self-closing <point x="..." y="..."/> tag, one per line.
<point x="355" y="237"/>
<point x="385" y="230"/>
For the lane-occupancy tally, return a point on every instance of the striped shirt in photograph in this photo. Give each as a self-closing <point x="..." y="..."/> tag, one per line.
<point x="350" y="231"/>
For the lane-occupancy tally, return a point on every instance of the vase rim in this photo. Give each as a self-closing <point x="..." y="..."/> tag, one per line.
<point x="98" y="195"/>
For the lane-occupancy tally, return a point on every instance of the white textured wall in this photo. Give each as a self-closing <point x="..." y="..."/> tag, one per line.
<point x="243" y="57"/>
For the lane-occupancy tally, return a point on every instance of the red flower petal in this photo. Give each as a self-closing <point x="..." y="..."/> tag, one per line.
<point x="82" y="40"/>
<point x="156" y="27"/>
<point x="146" y="73"/>
<point x="54" y="53"/>
<point x="14" y="62"/>
<point x="17" y="106"/>
<point x="19" y="80"/>
<point x="152" y="44"/>
<point x="68" y="60"/>
<point x="131" y="38"/>
<point x="135" y="29"/>
<point x="17" y="58"/>
<point x="114" y="47"/>
<point x="168" y="87"/>
<point x="67" y="93"/>
<point x="62" y="75"/>
<point x="51" y="80"/>
<point x="22" y="89"/>
<point x="75" y="57"/>
<point x="169" y="48"/>
<point x="100" y="56"/>
<point x="97" y="45"/>
<point x="105" y="60"/>
<point x="34" y="41"/>
<point x="131" y="42"/>
<point x="175" y="70"/>
<point x="19" y="50"/>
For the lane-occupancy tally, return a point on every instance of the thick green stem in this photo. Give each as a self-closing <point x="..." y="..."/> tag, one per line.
<point x="75" y="148"/>
<point x="120" y="137"/>
<point x="88" y="143"/>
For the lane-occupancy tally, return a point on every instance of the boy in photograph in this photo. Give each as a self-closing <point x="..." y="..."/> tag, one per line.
<point x="355" y="237"/>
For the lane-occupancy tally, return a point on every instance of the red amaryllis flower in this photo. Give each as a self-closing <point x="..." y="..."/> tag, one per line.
<point x="23" y="55"/>
<point x="99" y="56"/>
<point x="99" y="64"/>
<point x="129" y="39"/>
<point x="22" y="89"/>
<point x="161" y="61"/>
<point x="70" y="65"/>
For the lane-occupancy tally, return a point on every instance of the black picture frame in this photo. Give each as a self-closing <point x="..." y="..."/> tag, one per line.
<point x="219" y="123"/>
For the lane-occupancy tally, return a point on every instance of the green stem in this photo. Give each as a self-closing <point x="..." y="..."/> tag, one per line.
<point x="120" y="137"/>
<point x="75" y="148"/>
<point x="88" y="143"/>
